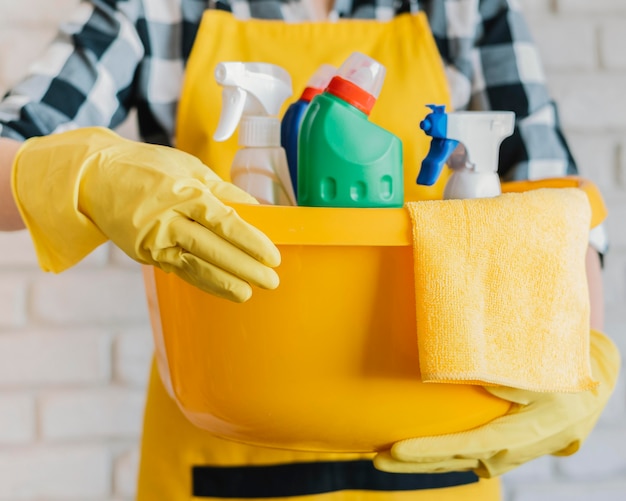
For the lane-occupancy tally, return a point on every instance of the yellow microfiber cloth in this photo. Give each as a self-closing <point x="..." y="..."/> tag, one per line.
<point x="501" y="290"/>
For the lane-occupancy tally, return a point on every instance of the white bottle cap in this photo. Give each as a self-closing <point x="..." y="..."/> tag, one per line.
<point x="323" y="75"/>
<point x="364" y="72"/>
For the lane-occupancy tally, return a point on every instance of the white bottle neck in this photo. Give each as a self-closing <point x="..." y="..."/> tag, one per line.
<point x="259" y="132"/>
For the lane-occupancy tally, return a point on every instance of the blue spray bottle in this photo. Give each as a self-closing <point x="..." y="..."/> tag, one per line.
<point x="469" y="142"/>
<point x="290" y="126"/>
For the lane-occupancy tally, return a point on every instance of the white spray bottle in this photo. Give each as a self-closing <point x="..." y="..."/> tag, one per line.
<point x="475" y="160"/>
<point x="253" y="95"/>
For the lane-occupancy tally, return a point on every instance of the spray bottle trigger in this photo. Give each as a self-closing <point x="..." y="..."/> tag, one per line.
<point x="432" y="165"/>
<point x="437" y="108"/>
<point x="233" y="103"/>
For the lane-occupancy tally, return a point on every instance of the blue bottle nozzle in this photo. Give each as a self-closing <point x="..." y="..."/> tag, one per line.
<point x="432" y="165"/>
<point x="435" y="125"/>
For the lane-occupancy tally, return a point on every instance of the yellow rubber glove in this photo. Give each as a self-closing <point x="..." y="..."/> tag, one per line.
<point x="537" y="424"/>
<point x="77" y="189"/>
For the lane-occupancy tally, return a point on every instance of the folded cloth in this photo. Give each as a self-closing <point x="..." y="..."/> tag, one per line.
<point x="501" y="290"/>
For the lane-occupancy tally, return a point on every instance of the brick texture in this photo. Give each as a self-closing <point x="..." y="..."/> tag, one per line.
<point x="132" y="357"/>
<point x="580" y="53"/>
<point x="585" y="7"/>
<point x="17" y="418"/>
<point x="68" y="472"/>
<point x="612" y="40"/>
<point x="88" y="296"/>
<point x="111" y="413"/>
<point x="75" y="348"/>
<point x="47" y="356"/>
<point x="125" y="473"/>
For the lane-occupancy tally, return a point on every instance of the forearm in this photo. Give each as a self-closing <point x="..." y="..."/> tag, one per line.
<point x="596" y="294"/>
<point x="10" y="218"/>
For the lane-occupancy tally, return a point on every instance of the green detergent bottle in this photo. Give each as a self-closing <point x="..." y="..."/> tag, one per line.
<point x="344" y="160"/>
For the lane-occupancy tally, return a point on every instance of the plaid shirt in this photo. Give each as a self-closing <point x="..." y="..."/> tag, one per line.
<point x="116" y="55"/>
<point x="113" y="56"/>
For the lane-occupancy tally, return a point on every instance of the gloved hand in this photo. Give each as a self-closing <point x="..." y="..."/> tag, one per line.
<point x="537" y="424"/>
<point x="161" y="206"/>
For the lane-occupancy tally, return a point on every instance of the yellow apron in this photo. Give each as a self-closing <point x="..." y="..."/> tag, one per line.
<point x="179" y="460"/>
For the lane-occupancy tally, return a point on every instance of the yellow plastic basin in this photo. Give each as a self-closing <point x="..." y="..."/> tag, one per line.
<point x="329" y="360"/>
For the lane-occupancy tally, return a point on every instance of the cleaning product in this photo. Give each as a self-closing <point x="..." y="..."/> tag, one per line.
<point x="344" y="160"/>
<point x="469" y="142"/>
<point x="290" y="126"/>
<point x="253" y="95"/>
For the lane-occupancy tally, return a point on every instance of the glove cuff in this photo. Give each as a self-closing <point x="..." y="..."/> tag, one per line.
<point x="45" y="181"/>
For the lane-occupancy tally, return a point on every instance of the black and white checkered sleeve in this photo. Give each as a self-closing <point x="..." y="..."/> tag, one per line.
<point x="493" y="64"/>
<point x="84" y="78"/>
<point x="508" y="74"/>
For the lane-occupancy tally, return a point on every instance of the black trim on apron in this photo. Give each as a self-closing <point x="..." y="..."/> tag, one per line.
<point x="300" y="479"/>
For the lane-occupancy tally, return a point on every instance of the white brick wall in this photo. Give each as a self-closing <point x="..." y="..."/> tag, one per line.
<point x="75" y="348"/>
<point x="59" y="472"/>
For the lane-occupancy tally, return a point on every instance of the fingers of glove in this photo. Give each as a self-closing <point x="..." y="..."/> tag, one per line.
<point x="207" y="276"/>
<point x="570" y="449"/>
<point x="212" y="249"/>
<point x="225" y="222"/>
<point x="384" y="461"/>
<point x="228" y="192"/>
<point x="549" y="417"/>
<point x="517" y="396"/>
<point x="474" y="444"/>
<point x="559" y="423"/>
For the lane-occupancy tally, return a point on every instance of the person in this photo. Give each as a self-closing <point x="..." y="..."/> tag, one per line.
<point x="165" y="208"/>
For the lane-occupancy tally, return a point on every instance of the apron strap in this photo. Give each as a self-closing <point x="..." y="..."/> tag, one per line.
<point x="303" y="479"/>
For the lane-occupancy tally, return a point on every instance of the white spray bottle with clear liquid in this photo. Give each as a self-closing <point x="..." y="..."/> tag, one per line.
<point x="469" y="142"/>
<point x="252" y="96"/>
